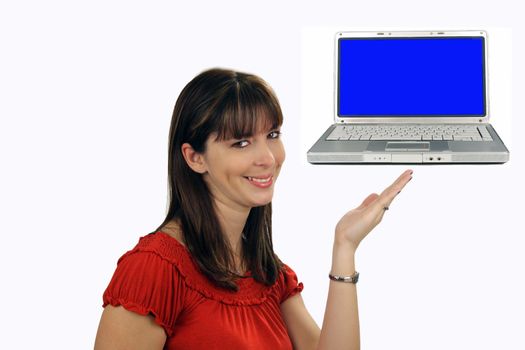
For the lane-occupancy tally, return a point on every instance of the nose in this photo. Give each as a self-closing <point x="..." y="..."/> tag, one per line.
<point x="264" y="155"/>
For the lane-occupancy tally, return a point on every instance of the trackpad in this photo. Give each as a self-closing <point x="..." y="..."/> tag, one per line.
<point x="407" y="146"/>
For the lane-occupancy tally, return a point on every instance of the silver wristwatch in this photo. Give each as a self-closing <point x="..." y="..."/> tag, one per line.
<point x="346" y="279"/>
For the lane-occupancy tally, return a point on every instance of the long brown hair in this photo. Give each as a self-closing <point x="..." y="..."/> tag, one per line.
<point x="232" y="105"/>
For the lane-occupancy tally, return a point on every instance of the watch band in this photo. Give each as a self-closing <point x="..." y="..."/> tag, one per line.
<point x="346" y="279"/>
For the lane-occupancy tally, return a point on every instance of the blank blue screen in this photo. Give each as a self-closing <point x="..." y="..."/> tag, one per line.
<point x="411" y="77"/>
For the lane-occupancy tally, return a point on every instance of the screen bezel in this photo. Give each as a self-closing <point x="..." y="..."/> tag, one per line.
<point x="482" y="118"/>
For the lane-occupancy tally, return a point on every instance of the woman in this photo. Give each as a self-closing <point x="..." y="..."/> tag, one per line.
<point x="208" y="278"/>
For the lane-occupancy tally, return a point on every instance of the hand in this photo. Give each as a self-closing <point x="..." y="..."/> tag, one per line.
<point x="357" y="223"/>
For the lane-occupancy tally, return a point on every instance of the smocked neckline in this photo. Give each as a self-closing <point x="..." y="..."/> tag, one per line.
<point x="248" y="273"/>
<point x="169" y="248"/>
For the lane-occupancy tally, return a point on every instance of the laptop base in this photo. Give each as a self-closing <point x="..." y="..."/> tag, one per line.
<point x="408" y="152"/>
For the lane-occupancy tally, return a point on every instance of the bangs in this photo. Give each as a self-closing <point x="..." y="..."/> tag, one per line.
<point x="246" y="110"/>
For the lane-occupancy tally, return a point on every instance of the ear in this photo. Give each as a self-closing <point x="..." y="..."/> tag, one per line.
<point x="194" y="159"/>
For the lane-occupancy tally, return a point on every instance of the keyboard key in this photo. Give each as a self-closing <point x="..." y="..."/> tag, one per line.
<point x="460" y="138"/>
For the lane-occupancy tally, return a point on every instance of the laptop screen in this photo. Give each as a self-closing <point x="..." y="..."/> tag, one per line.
<point x="411" y="77"/>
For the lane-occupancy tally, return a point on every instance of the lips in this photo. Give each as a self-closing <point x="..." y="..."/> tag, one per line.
<point x="260" y="181"/>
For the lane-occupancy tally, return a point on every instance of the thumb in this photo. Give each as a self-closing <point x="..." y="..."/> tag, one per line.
<point x="370" y="199"/>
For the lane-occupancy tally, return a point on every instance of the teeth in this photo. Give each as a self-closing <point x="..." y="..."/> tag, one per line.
<point x="259" y="180"/>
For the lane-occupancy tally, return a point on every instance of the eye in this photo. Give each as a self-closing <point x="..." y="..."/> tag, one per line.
<point x="274" y="134"/>
<point x="241" y="144"/>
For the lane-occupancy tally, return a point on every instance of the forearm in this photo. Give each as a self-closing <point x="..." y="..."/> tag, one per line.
<point x="341" y="320"/>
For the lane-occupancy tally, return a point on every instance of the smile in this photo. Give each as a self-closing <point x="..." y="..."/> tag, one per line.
<point x="261" y="182"/>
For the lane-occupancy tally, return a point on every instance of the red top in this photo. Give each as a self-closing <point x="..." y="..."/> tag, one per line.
<point x="159" y="277"/>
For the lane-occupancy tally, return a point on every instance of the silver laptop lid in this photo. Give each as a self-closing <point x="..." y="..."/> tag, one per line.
<point x="411" y="77"/>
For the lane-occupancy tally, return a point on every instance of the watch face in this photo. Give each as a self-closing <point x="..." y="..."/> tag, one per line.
<point x="355" y="277"/>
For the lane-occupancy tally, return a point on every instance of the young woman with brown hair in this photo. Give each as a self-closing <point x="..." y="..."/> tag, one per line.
<point x="207" y="277"/>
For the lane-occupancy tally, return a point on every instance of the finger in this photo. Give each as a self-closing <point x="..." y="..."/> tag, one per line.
<point x="388" y="195"/>
<point x="398" y="184"/>
<point x="402" y="180"/>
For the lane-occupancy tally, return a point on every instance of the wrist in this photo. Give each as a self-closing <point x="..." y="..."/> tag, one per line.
<point x="343" y="258"/>
<point x="342" y="244"/>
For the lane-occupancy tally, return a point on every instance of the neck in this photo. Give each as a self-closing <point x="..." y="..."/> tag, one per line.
<point x="232" y="222"/>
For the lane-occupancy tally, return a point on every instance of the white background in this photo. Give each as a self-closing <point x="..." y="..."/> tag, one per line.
<point x="86" y="95"/>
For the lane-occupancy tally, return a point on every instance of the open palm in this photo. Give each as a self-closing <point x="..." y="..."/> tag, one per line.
<point x="358" y="222"/>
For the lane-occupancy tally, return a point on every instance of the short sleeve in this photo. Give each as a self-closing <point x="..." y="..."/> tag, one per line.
<point x="290" y="283"/>
<point x="146" y="283"/>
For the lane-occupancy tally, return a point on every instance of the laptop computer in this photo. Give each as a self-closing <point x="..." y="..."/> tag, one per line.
<point x="410" y="97"/>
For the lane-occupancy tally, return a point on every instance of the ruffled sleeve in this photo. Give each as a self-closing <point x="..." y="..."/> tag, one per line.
<point x="290" y="285"/>
<point x="147" y="284"/>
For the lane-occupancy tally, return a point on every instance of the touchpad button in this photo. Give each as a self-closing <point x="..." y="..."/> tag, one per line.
<point x="407" y="146"/>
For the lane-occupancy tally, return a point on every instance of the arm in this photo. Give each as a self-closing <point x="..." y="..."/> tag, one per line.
<point x="121" y="329"/>
<point x="302" y="329"/>
<point x="341" y="320"/>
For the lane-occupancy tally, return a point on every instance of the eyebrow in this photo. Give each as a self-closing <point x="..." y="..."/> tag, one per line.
<point x="272" y="125"/>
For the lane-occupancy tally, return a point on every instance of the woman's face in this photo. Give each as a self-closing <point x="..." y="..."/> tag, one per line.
<point x="241" y="173"/>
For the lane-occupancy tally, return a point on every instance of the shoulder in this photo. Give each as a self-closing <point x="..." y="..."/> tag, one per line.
<point x="161" y="244"/>
<point x="149" y="275"/>
<point x="157" y="259"/>
<point x="174" y="230"/>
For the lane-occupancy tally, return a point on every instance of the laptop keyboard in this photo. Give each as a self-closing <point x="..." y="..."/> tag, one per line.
<point x="410" y="132"/>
